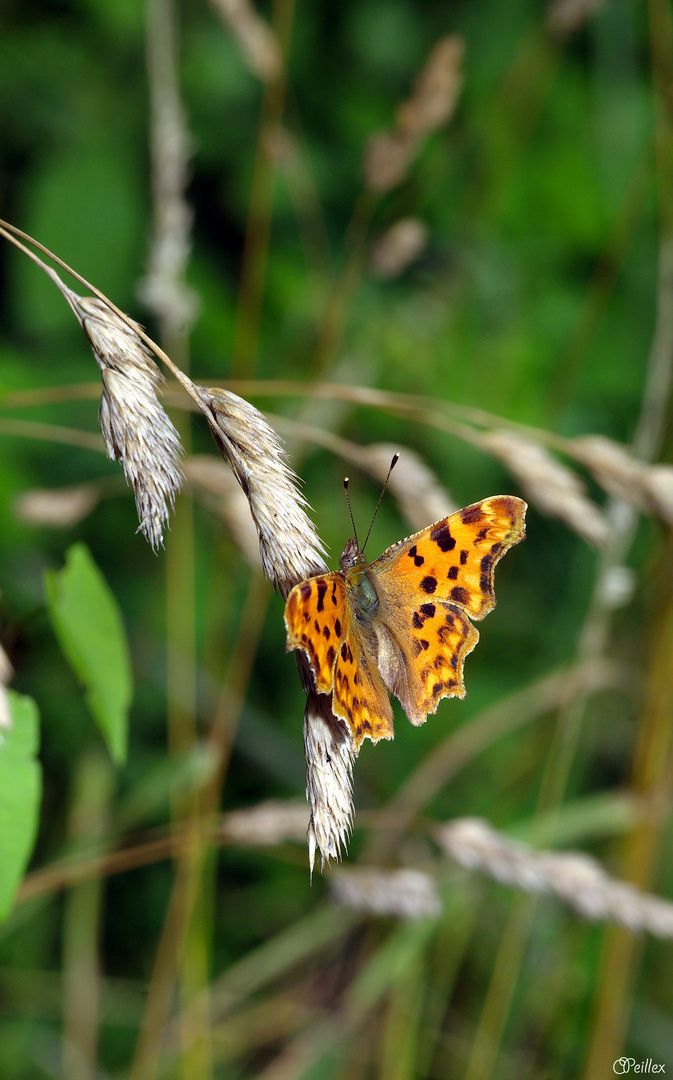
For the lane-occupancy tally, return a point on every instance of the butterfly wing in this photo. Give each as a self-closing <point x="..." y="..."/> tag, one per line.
<point x="453" y="560"/>
<point x="319" y="620"/>
<point x="428" y="585"/>
<point x="315" y="620"/>
<point x="360" y="696"/>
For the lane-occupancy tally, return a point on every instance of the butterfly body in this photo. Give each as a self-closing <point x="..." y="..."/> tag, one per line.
<point x="401" y="623"/>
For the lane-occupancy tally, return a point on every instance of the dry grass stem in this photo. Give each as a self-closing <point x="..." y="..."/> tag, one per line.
<point x="548" y="485"/>
<point x="163" y="289"/>
<point x="572" y="877"/>
<point x="404" y="894"/>
<point x="431" y="105"/>
<point x="57" y="508"/>
<point x="255" y="37"/>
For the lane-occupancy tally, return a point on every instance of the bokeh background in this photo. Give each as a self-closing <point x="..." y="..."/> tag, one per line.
<point x="501" y="262"/>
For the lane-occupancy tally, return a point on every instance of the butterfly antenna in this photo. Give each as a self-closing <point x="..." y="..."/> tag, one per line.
<point x="350" y="510"/>
<point x="393" y="463"/>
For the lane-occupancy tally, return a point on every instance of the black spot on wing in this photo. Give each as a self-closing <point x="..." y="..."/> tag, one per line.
<point x="471" y="514"/>
<point x="413" y="554"/>
<point x="426" y="611"/>
<point x="443" y="538"/>
<point x="322" y="589"/>
<point x="463" y="556"/>
<point x="337" y="627"/>
<point x="453" y="573"/>
<point x="305" y="589"/>
<point x="429" y="584"/>
<point x="330" y="656"/>
<point x="460" y="595"/>
<point x="486" y="567"/>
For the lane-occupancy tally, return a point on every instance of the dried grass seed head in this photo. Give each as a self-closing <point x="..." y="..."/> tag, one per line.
<point x="255" y="37"/>
<point x="613" y="466"/>
<point x="58" y="508"/>
<point x="267" y="824"/>
<point x="389" y="154"/>
<point x="403" y="894"/>
<point x="289" y="544"/>
<point x="436" y="92"/>
<point x="573" y="877"/>
<point x="329" y="774"/>
<point x="398" y="247"/>
<point x="548" y="484"/>
<point x="136" y="430"/>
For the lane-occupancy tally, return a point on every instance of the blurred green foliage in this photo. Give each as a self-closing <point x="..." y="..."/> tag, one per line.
<point x="535" y="300"/>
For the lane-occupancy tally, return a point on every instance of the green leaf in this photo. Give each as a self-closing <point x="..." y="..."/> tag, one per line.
<point x="88" y="625"/>
<point x="20" y="793"/>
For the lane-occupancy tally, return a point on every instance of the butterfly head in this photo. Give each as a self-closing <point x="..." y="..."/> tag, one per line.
<point x="351" y="555"/>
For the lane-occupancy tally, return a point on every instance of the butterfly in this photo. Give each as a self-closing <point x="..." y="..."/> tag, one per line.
<point x="401" y="624"/>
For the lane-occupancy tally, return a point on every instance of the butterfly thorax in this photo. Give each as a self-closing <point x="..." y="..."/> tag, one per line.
<point x="362" y="594"/>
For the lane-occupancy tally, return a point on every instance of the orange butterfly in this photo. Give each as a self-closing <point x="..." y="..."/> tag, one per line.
<point x="400" y="624"/>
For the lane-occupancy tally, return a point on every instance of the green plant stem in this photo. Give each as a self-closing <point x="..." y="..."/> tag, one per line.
<point x="93" y="788"/>
<point x="651" y="781"/>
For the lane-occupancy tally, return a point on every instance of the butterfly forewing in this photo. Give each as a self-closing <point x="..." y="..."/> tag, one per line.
<point x="453" y="560"/>
<point x="315" y="619"/>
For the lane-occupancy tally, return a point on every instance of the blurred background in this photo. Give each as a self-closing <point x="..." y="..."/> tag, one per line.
<point x="445" y="229"/>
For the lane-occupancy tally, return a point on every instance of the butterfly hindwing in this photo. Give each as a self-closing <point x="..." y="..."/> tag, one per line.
<point x="421" y="654"/>
<point x="359" y="695"/>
